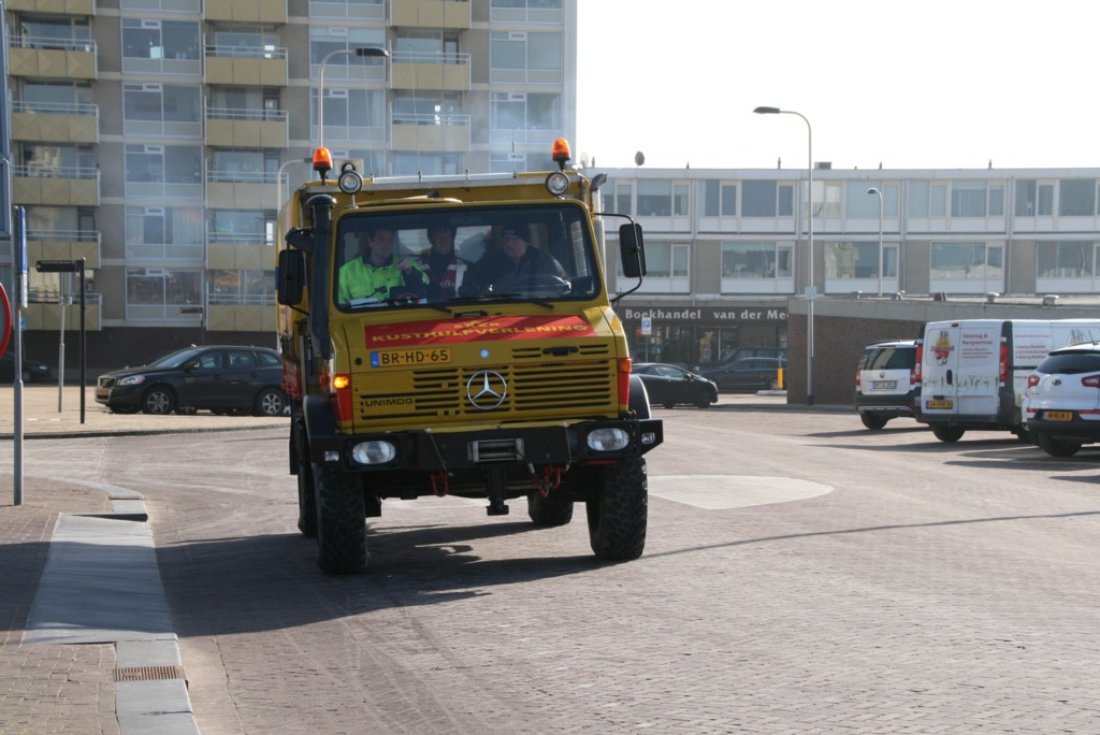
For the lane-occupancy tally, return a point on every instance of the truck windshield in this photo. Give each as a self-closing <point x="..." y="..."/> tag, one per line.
<point x="453" y="255"/>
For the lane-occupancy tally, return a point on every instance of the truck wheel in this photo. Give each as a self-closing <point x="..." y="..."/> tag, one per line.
<point x="948" y="434"/>
<point x="556" y="509"/>
<point x="341" y="521"/>
<point x="1058" y="447"/>
<point x="617" y="510"/>
<point x="872" y="422"/>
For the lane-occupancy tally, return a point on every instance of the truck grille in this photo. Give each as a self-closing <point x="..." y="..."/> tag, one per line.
<point x="536" y="389"/>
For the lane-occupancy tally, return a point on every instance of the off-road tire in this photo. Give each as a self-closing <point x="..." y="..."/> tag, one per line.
<point x="341" y="521"/>
<point x="1058" y="447"/>
<point x="617" y="510"/>
<point x="556" y="509"/>
<point x="948" y="434"/>
<point x="873" y="421"/>
<point x="158" y="400"/>
<point x="270" y="402"/>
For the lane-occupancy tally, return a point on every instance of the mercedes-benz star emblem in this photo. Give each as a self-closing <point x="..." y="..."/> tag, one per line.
<point x="486" y="389"/>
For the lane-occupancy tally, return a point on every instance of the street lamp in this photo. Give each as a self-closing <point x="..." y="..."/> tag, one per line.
<point x="873" y="190"/>
<point x="367" y="51"/>
<point x="811" y="292"/>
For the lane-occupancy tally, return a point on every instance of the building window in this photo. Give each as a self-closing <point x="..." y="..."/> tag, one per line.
<point x="1064" y="259"/>
<point x="755" y="260"/>
<point x="513" y="114"/>
<point x="410" y="163"/>
<point x="160" y="41"/>
<point x="521" y="57"/>
<point x="162" y="109"/>
<point x="996" y="201"/>
<point x="164" y="170"/>
<point x="654" y="198"/>
<point x="345" y="67"/>
<point x="1034" y="198"/>
<point x="161" y="293"/>
<point x="240" y="227"/>
<point x="352" y="114"/>
<point x="968" y="199"/>
<point x="164" y="233"/>
<point x="758" y="199"/>
<point x="966" y="261"/>
<point x="1077" y="197"/>
<point x="52" y="33"/>
<point x="851" y="260"/>
<point x="241" y="288"/>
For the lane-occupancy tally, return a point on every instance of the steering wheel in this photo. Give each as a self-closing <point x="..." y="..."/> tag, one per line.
<point x="540" y="282"/>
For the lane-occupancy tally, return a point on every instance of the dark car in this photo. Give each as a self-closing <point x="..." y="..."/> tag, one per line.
<point x="669" y="385"/>
<point x="33" y="371"/>
<point x="747" y="374"/>
<point x="222" y="379"/>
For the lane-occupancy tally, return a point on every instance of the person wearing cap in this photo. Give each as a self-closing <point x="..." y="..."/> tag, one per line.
<point x="443" y="266"/>
<point x="377" y="275"/>
<point x="513" y="260"/>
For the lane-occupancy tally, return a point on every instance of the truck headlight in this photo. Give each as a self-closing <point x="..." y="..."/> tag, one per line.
<point x="608" y="440"/>
<point x="373" y="452"/>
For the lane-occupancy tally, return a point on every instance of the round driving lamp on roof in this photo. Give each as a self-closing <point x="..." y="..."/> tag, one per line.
<point x="350" y="181"/>
<point x="557" y="183"/>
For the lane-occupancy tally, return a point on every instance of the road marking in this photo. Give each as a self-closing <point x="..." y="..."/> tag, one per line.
<point x="719" y="492"/>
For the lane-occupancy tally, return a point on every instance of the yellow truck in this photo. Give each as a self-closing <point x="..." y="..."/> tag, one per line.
<point x="495" y="368"/>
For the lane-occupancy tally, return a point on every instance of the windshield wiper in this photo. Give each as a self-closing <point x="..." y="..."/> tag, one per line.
<point x="501" y="297"/>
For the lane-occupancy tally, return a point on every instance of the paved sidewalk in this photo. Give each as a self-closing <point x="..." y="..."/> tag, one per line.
<point x="47" y="687"/>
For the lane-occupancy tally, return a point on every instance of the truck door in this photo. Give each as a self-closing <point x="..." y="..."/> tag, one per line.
<point x="939" y="368"/>
<point x="978" y="371"/>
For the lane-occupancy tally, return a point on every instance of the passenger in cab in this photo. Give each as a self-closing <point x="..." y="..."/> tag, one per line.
<point x="444" y="268"/>
<point x="513" y="261"/>
<point x="377" y="275"/>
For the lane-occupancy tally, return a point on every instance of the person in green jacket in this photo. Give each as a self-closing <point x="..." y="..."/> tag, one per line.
<point x="379" y="276"/>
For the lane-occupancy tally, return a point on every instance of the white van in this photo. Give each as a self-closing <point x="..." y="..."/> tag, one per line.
<point x="973" y="372"/>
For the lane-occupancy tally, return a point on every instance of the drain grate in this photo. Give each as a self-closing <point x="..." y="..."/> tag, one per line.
<point x="148" y="673"/>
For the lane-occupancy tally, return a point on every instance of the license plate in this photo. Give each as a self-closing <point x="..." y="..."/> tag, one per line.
<point x="397" y="358"/>
<point x="102" y="392"/>
<point x="1058" y="415"/>
<point x="939" y="403"/>
<point x="884" y="384"/>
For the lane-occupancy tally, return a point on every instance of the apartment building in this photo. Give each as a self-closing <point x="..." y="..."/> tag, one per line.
<point x="156" y="138"/>
<point x="728" y="249"/>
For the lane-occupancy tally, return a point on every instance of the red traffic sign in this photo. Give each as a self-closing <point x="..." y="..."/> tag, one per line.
<point x="5" y="316"/>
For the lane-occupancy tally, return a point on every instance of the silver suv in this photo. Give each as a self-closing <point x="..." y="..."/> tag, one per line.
<point x="887" y="383"/>
<point x="1061" y="407"/>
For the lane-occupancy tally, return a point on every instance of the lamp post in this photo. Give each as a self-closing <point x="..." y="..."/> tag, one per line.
<point x="365" y="51"/>
<point x="811" y="291"/>
<point x="873" y="190"/>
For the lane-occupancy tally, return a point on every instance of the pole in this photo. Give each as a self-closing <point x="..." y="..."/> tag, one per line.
<point x="83" y="344"/>
<point x="366" y="51"/>
<point x="61" y="347"/>
<point x="875" y="190"/>
<point x="19" y="245"/>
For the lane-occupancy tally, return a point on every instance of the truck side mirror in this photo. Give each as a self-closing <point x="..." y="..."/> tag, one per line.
<point x="290" y="277"/>
<point x="632" y="250"/>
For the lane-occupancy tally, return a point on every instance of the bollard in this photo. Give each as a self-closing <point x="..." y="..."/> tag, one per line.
<point x="779" y="378"/>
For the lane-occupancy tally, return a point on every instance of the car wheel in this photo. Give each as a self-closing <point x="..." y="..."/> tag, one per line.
<point x="270" y="402"/>
<point x="158" y="400"/>
<point x="948" y="434"/>
<point x="669" y="404"/>
<point x="1058" y="447"/>
<point x="873" y="422"/>
<point x="28" y="376"/>
<point x="703" y="401"/>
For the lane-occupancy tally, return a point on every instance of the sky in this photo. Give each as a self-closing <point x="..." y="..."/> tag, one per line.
<point x="933" y="84"/>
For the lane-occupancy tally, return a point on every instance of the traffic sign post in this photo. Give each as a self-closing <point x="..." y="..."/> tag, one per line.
<point x="70" y="266"/>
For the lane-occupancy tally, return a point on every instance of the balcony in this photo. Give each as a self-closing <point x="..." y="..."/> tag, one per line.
<point x="241" y="190"/>
<point x="59" y="187"/>
<point x="64" y="245"/>
<point x="44" y="311"/>
<point x="234" y="128"/>
<point x="433" y="14"/>
<point x="250" y="66"/>
<point x="351" y="9"/>
<point x="62" y="7"/>
<point x="431" y="133"/>
<point x="55" y="122"/>
<point x="225" y="251"/>
<point x="247" y="11"/>
<point x="31" y="56"/>
<point x="438" y="71"/>
<point x="240" y="312"/>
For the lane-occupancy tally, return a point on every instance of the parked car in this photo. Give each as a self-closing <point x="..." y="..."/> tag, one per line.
<point x="33" y="371"/>
<point x="222" y="379"/>
<point x="1061" y="407"/>
<point x="747" y="374"/>
<point x="669" y="385"/>
<point x="741" y="353"/>
<point x="887" y="383"/>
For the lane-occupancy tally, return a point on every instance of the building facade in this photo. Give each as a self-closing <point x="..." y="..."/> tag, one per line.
<point x="156" y="138"/>
<point x="727" y="250"/>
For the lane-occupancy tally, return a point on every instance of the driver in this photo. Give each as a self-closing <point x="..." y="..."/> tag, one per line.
<point x="512" y="260"/>
<point x="378" y="275"/>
